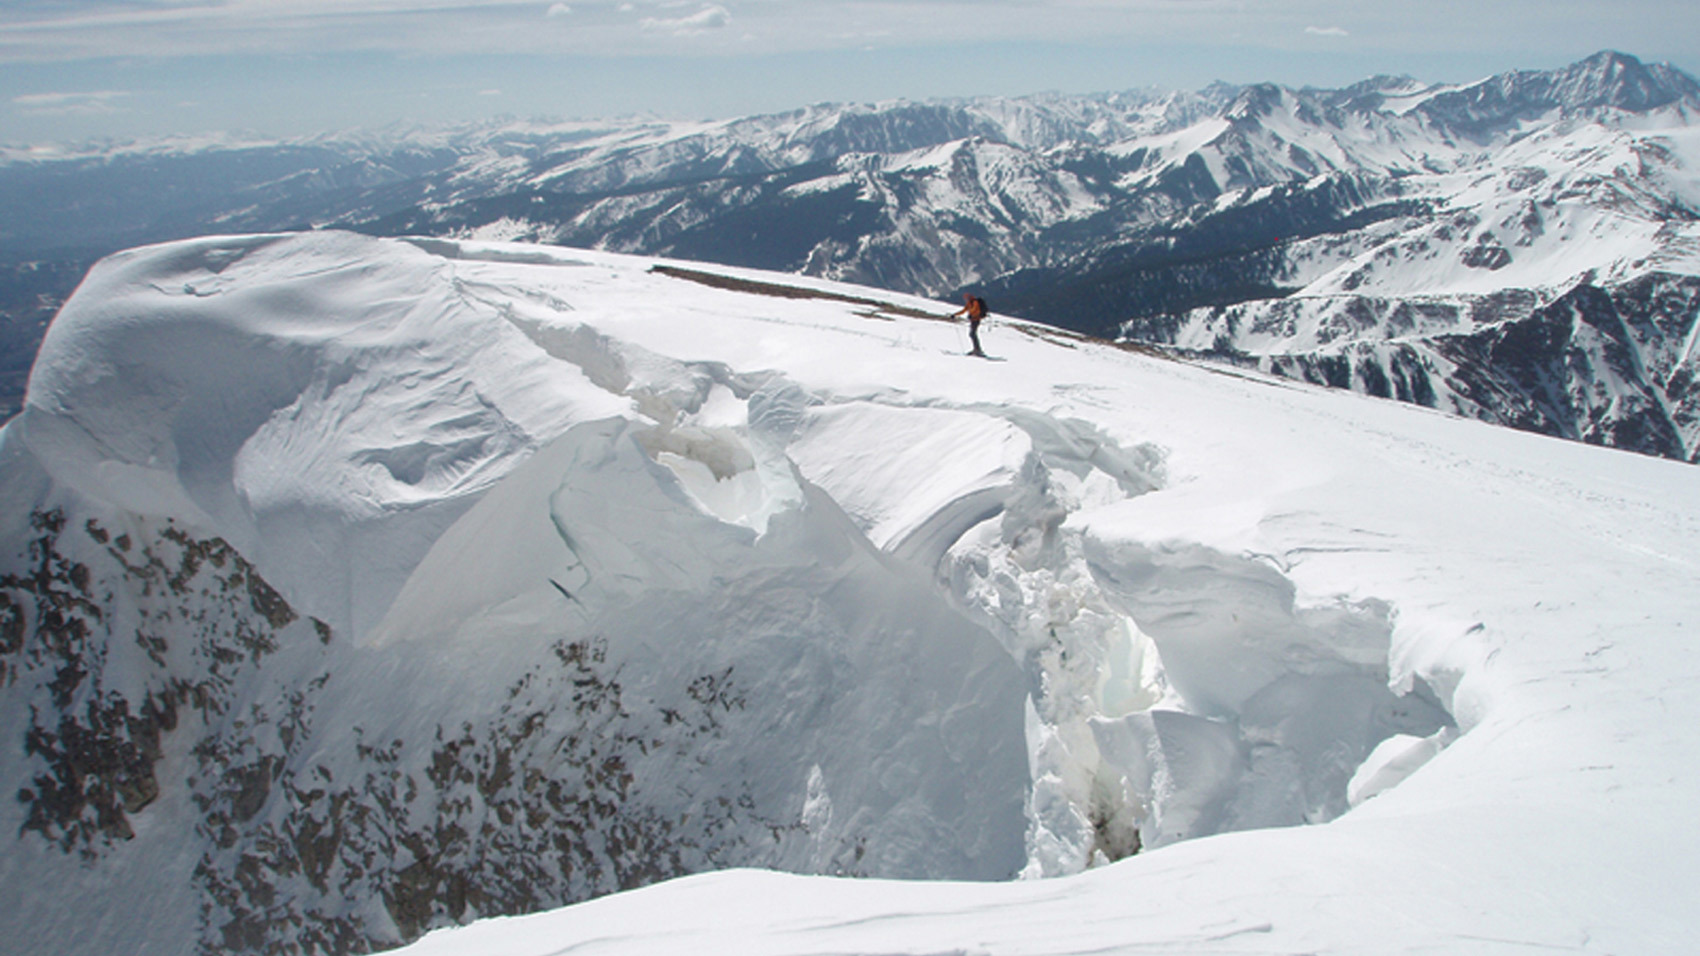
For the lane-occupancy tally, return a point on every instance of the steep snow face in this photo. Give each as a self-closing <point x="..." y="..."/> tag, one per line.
<point x="783" y="640"/>
<point x="362" y="587"/>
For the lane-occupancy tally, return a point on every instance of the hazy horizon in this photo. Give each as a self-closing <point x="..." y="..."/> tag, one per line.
<point x="78" y="70"/>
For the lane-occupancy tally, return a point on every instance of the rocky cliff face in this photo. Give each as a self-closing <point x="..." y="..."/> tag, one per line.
<point x="159" y="684"/>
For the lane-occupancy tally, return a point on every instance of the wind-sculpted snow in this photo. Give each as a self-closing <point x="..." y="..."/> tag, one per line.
<point x="624" y="647"/>
<point x="521" y="576"/>
<point x="231" y="383"/>
<point x="1281" y="705"/>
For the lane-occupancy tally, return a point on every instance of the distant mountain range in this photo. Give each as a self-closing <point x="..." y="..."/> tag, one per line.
<point x="1523" y="249"/>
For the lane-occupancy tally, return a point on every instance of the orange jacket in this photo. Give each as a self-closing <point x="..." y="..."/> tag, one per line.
<point x="975" y="308"/>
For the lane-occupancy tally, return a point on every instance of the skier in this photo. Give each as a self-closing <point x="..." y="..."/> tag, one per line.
<point x="974" y="308"/>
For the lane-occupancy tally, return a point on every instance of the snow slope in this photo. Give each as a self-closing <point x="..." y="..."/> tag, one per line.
<point x="1543" y="590"/>
<point x="619" y="573"/>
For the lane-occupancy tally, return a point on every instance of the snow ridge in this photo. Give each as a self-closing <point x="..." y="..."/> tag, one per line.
<point x="689" y="591"/>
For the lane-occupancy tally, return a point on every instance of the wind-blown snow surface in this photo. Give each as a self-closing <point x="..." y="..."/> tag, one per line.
<point x="615" y="574"/>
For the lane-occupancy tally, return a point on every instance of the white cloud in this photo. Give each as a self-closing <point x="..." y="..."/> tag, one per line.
<point x="712" y="17"/>
<point x="69" y="104"/>
<point x="1327" y="32"/>
<point x="558" y="10"/>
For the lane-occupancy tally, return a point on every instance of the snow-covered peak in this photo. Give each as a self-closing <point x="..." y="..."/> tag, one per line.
<point x="1620" y="81"/>
<point x="1604" y="85"/>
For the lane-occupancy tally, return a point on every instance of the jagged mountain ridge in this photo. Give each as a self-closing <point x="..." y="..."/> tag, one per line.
<point x="1129" y="214"/>
<point x="1592" y="210"/>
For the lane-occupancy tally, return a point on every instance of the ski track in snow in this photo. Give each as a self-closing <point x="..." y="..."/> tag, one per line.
<point x="1139" y="603"/>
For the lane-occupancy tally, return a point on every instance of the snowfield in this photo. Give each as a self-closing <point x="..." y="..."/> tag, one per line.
<point x="617" y="573"/>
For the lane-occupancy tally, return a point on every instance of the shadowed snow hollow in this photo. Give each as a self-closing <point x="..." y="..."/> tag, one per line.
<point x="1175" y="692"/>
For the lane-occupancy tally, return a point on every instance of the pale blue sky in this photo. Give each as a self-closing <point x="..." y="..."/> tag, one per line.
<point x="77" y="69"/>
